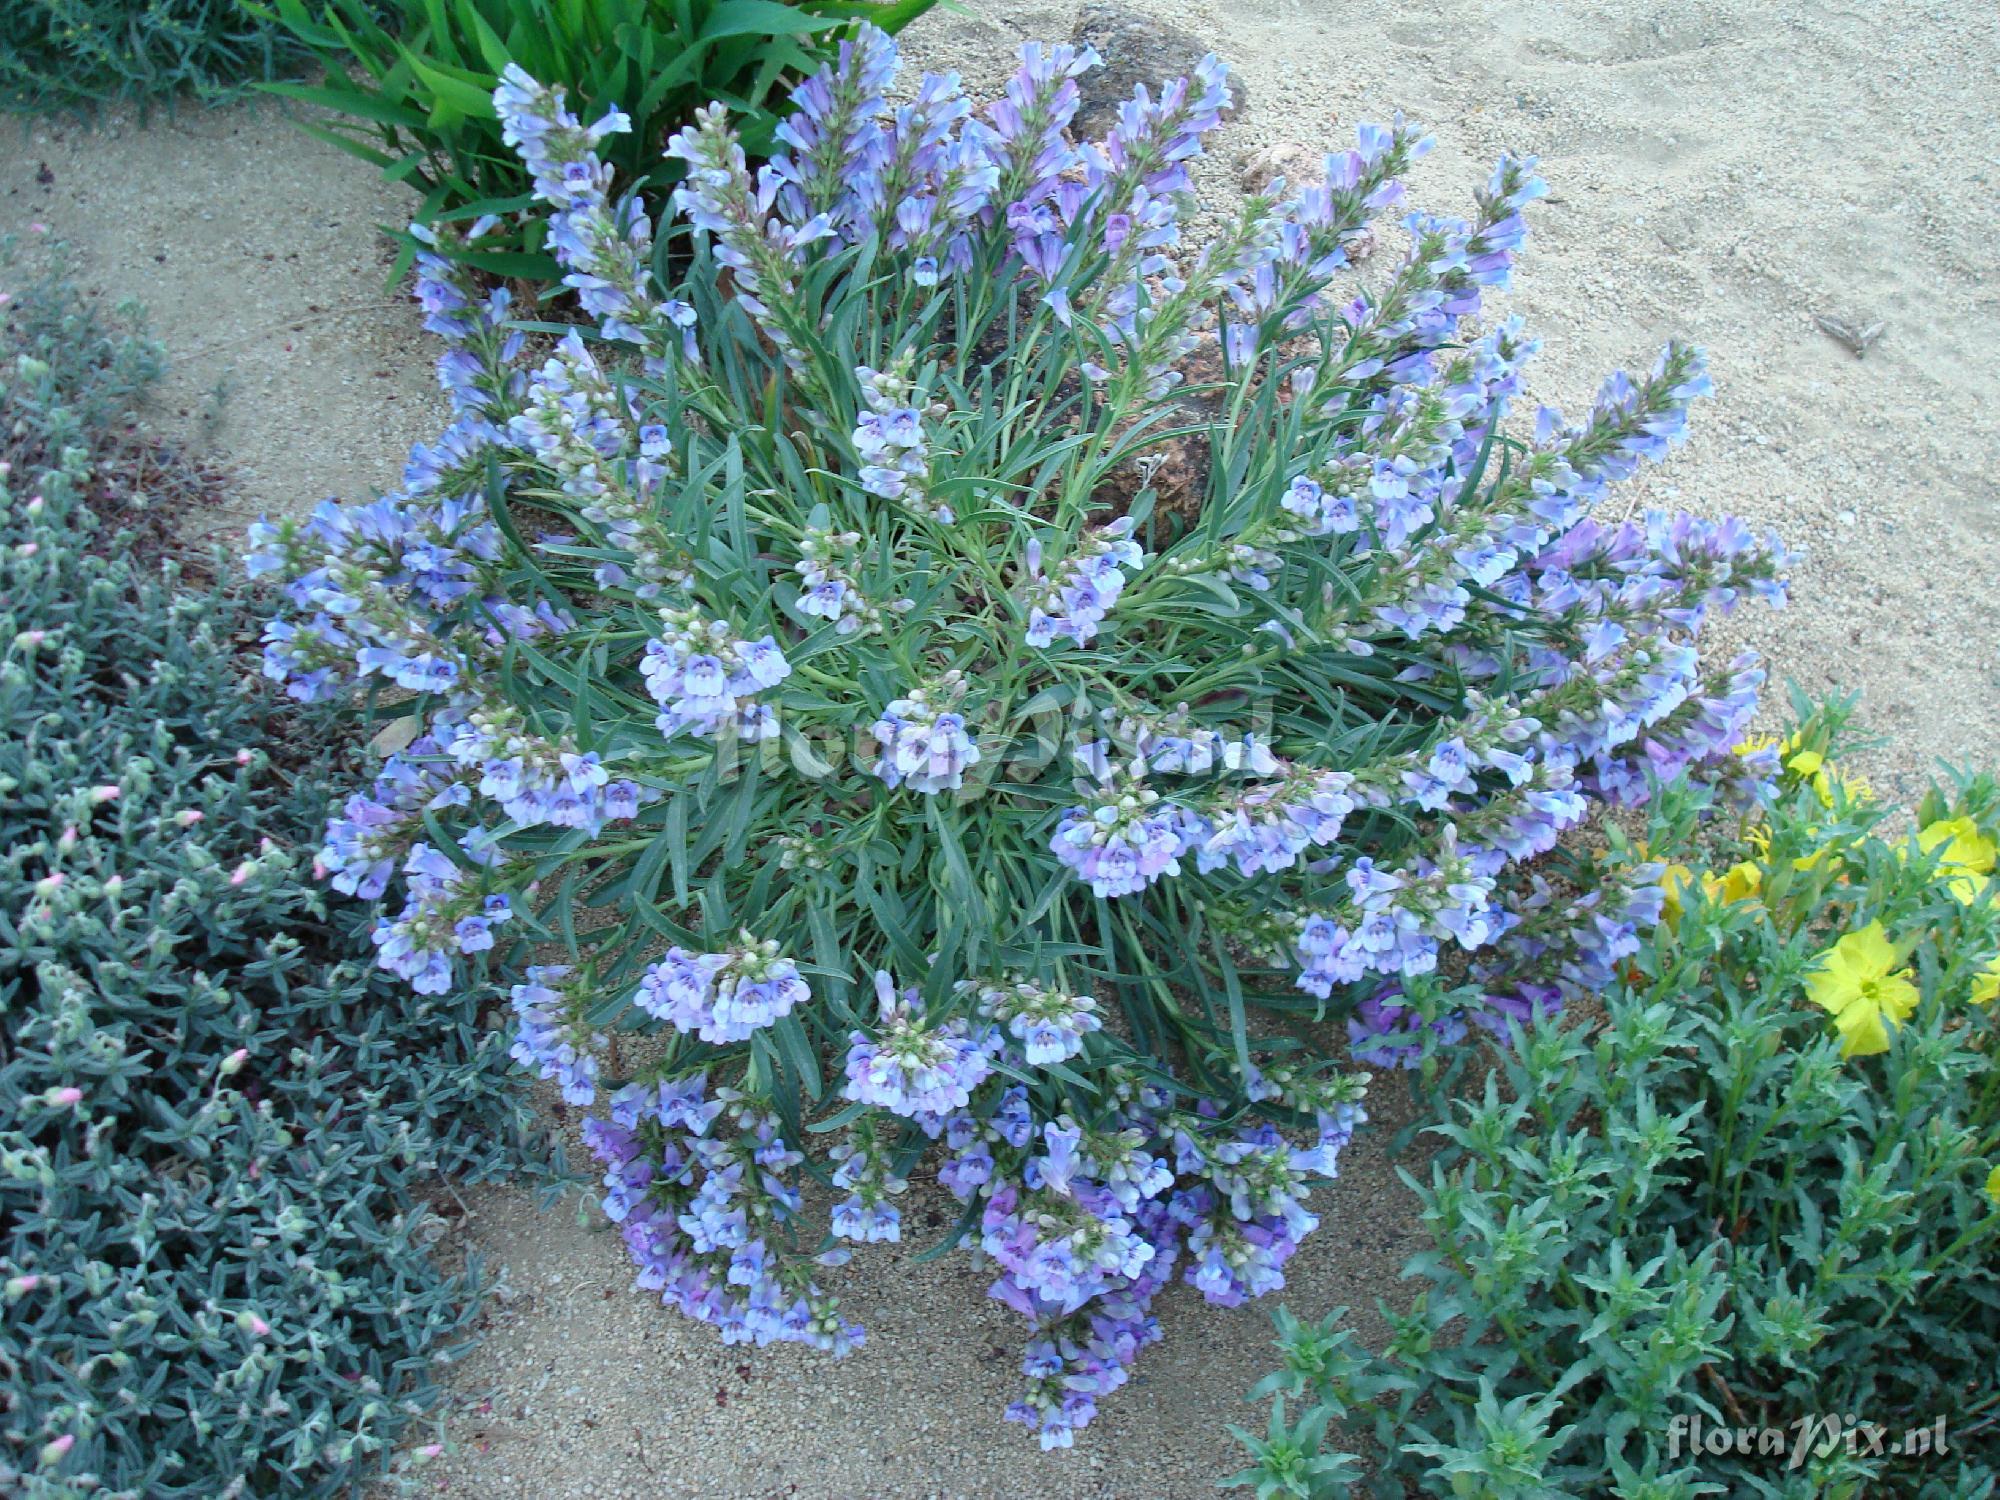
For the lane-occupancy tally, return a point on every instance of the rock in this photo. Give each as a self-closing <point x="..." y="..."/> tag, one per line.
<point x="1299" y="165"/>
<point x="1136" y="48"/>
<point x="1175" y="469"/>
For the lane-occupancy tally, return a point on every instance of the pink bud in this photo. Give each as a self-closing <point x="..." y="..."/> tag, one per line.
<point x="49" y="884"/>
<point x="244" y="757"/>
<point x="319" y="870"/>
<point x="63" y="1098"/>
<point x="430" y="1450"/>
<point x="68" y="840"/>
<point x="53" y="1451"/>
<point x="242" y="873"/>
<point x="20" y="1286"/>
<point x="103" y="794"/>
<point x="264" y="845"/>
<point x="249" y="1322"/>
<point x="38" y="228"/>
<point x="187" y="817"/>
<point x="29" y="639"/>
<point x="235" y="1061"/>
<point x="27" y="549"/>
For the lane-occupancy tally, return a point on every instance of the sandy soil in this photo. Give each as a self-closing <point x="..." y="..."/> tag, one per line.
<point x="1727" y="172"/>
<point x="254" y="250"/>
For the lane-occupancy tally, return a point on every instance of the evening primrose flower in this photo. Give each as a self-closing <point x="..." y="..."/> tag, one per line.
<point x="1993" y="1184"/>
<point x="1739" y="882"/>
<point x="1811" y="767"/>
<point x="1986" y="986"/>
<point x="1965" y="855"/>
<point x="1856" y="981"/>
<point x="1676" y="881"/>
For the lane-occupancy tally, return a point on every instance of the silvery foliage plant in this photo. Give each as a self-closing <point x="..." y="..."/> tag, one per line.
<point x="797" y="669"/>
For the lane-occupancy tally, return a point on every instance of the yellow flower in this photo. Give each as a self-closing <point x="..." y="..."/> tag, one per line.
<point x="1986" y="987"/>
<point x="1739" y="884"/>
<point x="1993" y="1184"/>
<point x="1675" y="880"/>
<point x="1856" y="982"/>
<point x="1966" y="857"/>
<point x="1970" y="850"/>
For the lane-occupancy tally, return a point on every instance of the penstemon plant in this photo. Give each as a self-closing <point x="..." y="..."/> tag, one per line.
<point x="793" y="678"/>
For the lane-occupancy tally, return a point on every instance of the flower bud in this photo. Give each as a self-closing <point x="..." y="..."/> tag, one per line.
<point x="55" y="1448"/>
<point x="63" y="1098"/>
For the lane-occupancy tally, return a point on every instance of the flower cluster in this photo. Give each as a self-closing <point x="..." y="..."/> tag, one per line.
<point x="1125" y="839"/>
<point x="889" y="437"/>
<point x="705" y="677"/>
<point x="722" y="997"/>
<point x="910" y="1067"/>
<point x="1073" y="603"/>
<point x="925" y="746"/>
<point x="1049" y="1025"/>
<point x="698" y="1184"/>
<point x="831" y="592"/>
<point x="822" y="634"/>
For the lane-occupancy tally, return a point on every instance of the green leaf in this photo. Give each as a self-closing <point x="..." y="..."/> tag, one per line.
<point x="761" y="18"/>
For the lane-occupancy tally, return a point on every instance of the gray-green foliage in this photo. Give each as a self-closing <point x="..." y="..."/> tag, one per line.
<point x="216" y="1127"/>
<point x="1698" y="1208"/>
<point x="56" y="53"/>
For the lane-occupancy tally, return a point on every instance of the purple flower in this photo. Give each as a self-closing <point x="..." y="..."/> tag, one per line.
<point x="723" y="997"/>
<point x="1126" y="839"/>
<point x="912" y="1067"/>
<point x="925" y="746"/>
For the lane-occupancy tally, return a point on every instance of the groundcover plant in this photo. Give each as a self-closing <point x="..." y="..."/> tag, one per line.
<point x="797" y="667"/>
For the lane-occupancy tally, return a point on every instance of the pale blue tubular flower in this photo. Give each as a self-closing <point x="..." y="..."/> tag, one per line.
<point x="925" y="741"/>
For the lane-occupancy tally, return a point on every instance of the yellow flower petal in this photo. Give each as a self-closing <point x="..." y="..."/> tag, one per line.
<point x="1986" y="987"/>
<point x="1805" y="763"/>
<point x="1966" y="889"/>
<point x="1853" y="982"/>
<point x="1742" y="882"/>
<point x="1964" y="847"/>
<point x="1869" y="949"/>
<point x="1862" y="1026"/>
<point x="1862" y="1033"/>
<point x="1993" y="1184"/>
<point x="1675" y="880"/>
